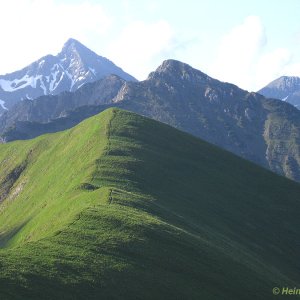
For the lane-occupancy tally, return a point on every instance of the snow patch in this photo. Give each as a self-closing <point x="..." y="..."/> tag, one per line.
<point x="28" y="97"/>
<point x="285" y="98"/>
<point x="55" y="66"/>
<point x="71" y="78"/>
<point x="41" y="63"/>
<point x="60" y="79"/>
<point x="17" y="84"/>
<point x="42" y="85"/>
<point x="80" y="78"/>
<point x="2" y="104"/>
<point x="56" y="69"/>
<point x="80" y="85"/>
<point x="54" y="76"/>
<point x="93" y="71"/>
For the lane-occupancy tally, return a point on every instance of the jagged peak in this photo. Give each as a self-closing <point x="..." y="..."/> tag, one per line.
<point x="172" y="62"/>
<point x="176" y="68"/>
<point x="173" y="65"/>
<point x="71" y="41"/>
<point x="72" y="45"/>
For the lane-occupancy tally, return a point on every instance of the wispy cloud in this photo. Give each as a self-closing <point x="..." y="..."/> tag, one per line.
<point x="140" y="45"/>
<point x="272" y="65"/>
<point x="244" y="58"/>
<point x="239" y="51"/>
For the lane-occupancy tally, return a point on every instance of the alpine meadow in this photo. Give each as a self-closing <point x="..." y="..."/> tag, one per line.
<point x="123" y="207"/>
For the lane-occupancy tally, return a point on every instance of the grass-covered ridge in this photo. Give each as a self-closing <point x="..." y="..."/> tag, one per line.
<point x="123" y="207"/>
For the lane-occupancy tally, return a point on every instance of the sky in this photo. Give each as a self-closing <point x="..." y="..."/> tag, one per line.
<point x="248" y="43"/>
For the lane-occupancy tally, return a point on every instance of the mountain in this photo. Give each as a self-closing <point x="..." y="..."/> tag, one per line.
<point x="124" y="207"/>
<point x="286" y="88"/>
<point x="264" y="131"/>
<point x="46" y="108"/>
<point x="74" y="66"/>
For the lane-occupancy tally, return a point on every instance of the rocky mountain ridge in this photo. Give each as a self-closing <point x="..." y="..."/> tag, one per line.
<point x="264" y="131"/>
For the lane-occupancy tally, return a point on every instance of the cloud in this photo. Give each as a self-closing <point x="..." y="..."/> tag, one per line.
<point x="141" y="45"/>
<point x="238" y="51"/>
<point x="244" y="58"/>
<point x="292" y="69"/>
<point x="271" y="66"/>
<point x="35" y="28"/>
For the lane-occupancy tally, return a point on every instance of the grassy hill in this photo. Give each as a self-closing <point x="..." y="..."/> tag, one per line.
<point x="123" y="207"/>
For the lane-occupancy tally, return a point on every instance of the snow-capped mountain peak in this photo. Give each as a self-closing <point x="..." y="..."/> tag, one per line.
<point x="72" y="67"/>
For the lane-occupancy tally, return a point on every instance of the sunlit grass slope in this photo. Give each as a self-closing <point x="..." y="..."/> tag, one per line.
<point x="123" y="207"/>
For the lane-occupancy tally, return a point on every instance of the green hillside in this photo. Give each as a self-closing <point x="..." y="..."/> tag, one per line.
<point x="123" y="207"/>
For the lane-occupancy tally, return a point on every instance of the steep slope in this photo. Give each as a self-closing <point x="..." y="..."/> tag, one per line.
<point x="266" y="132"/>
<point x="123" y="207"/>
<point x="74" y="66"/>
<point x="286" y="88"/>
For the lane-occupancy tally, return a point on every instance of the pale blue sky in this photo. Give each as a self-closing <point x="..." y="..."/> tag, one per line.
<point x="248" y="43"/>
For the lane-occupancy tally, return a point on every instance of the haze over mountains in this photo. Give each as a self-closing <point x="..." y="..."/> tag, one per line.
<point x="74" y="66"/>
<point x="262" y="130"/>
<point x="286" y="88"/>
<point x="124" y="207"/>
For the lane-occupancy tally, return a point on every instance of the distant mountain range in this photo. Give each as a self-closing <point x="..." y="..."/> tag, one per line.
<point x="264" y="131"/>
<point x="285" y="88"/>
<point x="124" y="207"/>
<point x="74" y="66"/>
